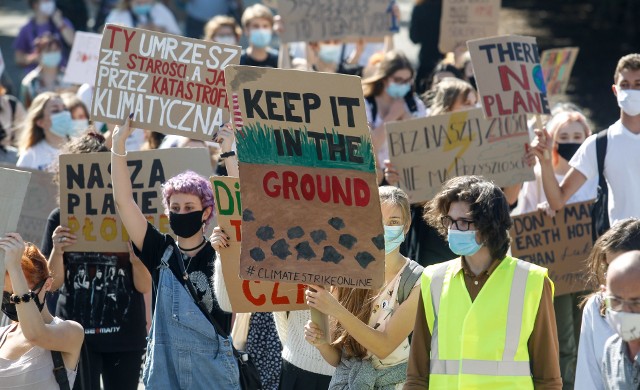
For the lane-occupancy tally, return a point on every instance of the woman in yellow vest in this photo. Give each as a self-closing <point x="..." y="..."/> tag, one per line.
<point x="485" y="320"/>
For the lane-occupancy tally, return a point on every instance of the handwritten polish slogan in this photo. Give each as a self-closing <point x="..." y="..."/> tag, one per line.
<point x="311" y="212"/>
<point x="247" y="296"/>
<point x="561" y="244"/>
<point x="83" y="60"/>
<point x="172" y="84"/>
<point x="462" y="20"/>
<point x="429" y="151"/>
<point x="509" y="76"/>
<point x="557" y="65"/>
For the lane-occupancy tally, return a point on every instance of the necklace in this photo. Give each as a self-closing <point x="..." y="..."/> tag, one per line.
<point x="200" y="245"/>
<point x="186" y="267"/>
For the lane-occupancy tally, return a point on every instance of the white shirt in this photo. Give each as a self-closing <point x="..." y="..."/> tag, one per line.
<point x="594" y="333"/>
<point x="160" y="16"/>
<point x="39" y="156"/>
<point x="621" y="169"/>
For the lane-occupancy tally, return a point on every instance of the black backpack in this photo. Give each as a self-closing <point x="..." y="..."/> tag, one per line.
<point x="600" y="208"/>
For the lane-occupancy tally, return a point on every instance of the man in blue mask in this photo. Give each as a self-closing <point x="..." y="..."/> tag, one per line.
<point x="257" y="21"/>
<point x="486" y="319"/>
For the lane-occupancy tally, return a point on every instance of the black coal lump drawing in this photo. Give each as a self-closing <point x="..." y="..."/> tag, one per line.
<point x="295" y="232"/>
<point x="347" y="240"/>
<point x="364" y="258"/>
<point x="257" y="254"/>
<point x="331" y="255"/>
<point x="247" y="215"/>
<point x="318" y="236"/>
<point x="305" y="251"/>
<point x="337" y="223"/>
<point x="280" y="249"/>
<point x="265" y="233"/>
<point x="378" y="241"/>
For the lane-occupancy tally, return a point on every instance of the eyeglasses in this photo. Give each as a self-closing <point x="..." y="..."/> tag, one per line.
<point x="618" y="304"/>
<point x="460" y="224"/>
<point x="399" y="80"/>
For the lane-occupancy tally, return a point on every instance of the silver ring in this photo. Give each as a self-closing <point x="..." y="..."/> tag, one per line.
<point x="62" y="239"/>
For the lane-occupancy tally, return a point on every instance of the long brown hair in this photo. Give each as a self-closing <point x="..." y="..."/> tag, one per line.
<point x="442" y="98"/>
<point x="31" y="133"/>
<point x="392" y="62"/>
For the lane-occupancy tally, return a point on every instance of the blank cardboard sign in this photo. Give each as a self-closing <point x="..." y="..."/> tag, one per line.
<point x="463" y="20"/>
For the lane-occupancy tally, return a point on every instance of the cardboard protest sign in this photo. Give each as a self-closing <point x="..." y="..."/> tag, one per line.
<point x="87" y="205"/>
<point x="556" y="66"/>
<point x="13" y="187"/>
<point x="311" y="212"/>
<point x="561" y="244"/>
<point x="463" y="20"/>
<point x="172" y="84"/>
<point x="319" y="20"/>
<point x="509" y="76"/>
<point x="83" y="60"/>
<point x="247" y="296"/>
<point x="429" y="151"/>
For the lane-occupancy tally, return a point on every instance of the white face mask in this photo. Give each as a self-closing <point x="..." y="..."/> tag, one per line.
<point x="627" y="325"/>
<point x="48" y="7"/>
<point x="629" y="101"/>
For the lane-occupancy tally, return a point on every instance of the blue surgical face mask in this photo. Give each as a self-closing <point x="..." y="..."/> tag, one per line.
<point x="398" y="91"/>
<point x="80" y="125"/>
<point x="51" y="59"/>
<point x="260" y="37"/>
<point x="142" y="9"/>
<point x="62" y="124"/>
<point x="463" y="243"/>
<point x="393" y="237"/>
<point x="330" y="53"/>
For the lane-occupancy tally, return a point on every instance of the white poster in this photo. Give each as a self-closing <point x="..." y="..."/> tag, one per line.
<point x="83" y="60"/>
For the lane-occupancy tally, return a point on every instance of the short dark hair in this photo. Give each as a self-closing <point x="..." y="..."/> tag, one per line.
<point x="628" y="62"/>
<point x="488" y="207"/>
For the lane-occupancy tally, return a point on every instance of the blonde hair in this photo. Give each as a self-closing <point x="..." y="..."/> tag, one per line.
<point x="256" y="11"/>
<point x="396" y="197"/>
<point x="446" y="93"/>
<point x="214" y="24"/>
<point x="31" y="133"/>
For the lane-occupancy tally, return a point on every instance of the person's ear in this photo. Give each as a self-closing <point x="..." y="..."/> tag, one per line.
<point x="207" y="212"/>
<point x="615" y="91"/>
<point x="48" y="283"/>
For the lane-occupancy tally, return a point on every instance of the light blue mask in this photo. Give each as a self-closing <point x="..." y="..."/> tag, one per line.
<point x="398" y="91"/>
<point x="393" y="237"/>
<point x="330" y="53"/>
<point x="51" y="59"/>
<point x="463" y="243"/>
<point x="142" y="9"/>
<point x="260" y="37"/>
<point x="62" y="124"/>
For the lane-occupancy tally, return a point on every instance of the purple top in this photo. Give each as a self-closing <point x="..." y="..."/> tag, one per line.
<point x="30" y="31"/>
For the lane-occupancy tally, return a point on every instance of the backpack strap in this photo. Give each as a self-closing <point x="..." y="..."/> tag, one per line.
<point x="410" y="275"/>
<point x="374" y="108"/>
<point x="13" y="103"/>
<point x="58" y="370"/>
<point x="411" y="102"/>
<point x="601" y="152"/>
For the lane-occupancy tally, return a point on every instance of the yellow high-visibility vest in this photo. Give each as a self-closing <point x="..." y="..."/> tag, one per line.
<point x="482" y="344"/>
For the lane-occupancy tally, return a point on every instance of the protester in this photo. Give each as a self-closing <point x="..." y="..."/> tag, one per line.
<point x="182" y="345"/>
<point x="257" y="22"/>
<point x="369" y="343"/>
<point x="623" y="236"/>
<point x="47" y="20"/>
<point x="145" y="14"/>
<point x="27" y="345"/>
<point x="623" y="143"/>
<point x="45" y="130"/>
<point x="329" y="56"/>
<point x="12" y="115"/>
<point x="222" y="29"/>
<point x="424" y="29"/>
<point x="451" y="94"/>
<point x="89" y="287"/>
<point x="621" y="362"/>
<point x="78" y="111"/>
<point x="486" y="314"/>
<point x="200" y="11"/>
<point x="152" y="140"/>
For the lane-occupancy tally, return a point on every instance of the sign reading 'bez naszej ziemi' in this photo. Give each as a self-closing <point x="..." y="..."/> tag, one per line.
<point x="172" y="84"/>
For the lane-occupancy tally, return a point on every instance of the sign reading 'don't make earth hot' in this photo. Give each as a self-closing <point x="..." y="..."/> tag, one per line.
<point x="247" y="296"/>
<point x="509" y="76"/>
<point x="429" y="151"/>
<point x="311" y="211"/>
<point x="561" y="244"/>
<point x="172" y="84"/>
<point x="87" y="205"/>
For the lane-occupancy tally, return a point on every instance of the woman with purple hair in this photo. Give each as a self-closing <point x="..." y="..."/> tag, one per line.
<point x="184" y="350"/>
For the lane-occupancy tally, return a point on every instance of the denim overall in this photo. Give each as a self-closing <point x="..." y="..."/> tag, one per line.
<point x="184" y="351"/>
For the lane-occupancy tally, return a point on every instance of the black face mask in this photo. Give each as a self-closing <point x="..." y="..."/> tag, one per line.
<point x="186" y="225"/>
<point x="9" y="308"/>
<point x="567" y="150"/>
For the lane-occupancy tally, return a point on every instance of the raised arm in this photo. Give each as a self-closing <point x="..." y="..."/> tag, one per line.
<point x="141" y="275"/>
<point x="128" y="210"/>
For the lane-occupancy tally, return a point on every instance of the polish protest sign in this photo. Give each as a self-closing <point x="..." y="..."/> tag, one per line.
<point x="247" y="296"/>
<point x="172" y="84"/>
<point x="561" y="244"/>
<point x="310" y="206"/>
<point x="87" y="205"/>
<point x="13" y="187"/>
<point x="463" y="20"/>
<point x="83" y="60"/>
<point x="557" y="65"/>
<point x="429" y="151"/>
<point x="509" y="76"/>
<point x="319" y="20"/>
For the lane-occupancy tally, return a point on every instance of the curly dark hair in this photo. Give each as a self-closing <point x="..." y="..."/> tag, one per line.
<point x="488" y="207"/>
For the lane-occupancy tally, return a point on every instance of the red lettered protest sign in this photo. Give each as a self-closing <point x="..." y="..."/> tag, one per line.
<point x="172" y="84"/>
<point x="509" y="76"/>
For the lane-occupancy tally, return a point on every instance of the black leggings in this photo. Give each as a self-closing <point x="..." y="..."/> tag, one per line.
<point x="119" y="370"/>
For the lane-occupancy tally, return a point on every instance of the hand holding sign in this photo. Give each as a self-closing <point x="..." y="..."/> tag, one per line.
<point x="541" y="145"/>
<point x="120" y="135"/>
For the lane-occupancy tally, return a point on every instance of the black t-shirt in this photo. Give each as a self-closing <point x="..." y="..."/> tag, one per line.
<point x="270" y="62"/>
<point x="199" y="268"/>
<point x="423" y="243"/>
<point x="98" y="292"/>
